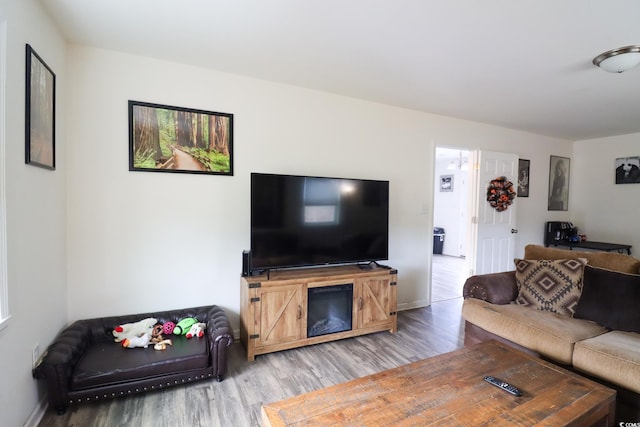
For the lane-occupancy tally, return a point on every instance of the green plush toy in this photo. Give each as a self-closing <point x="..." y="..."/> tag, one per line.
<point x="183" y="326"/>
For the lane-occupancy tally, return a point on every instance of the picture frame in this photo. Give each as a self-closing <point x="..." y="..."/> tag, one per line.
<point x="559" y="173"/>
<point x="627" y="170"/>
<point x="446" y="183"/>
<point x="40" y="112"/>
<point x="165" y="138"/>
<point x="523" y="177"/>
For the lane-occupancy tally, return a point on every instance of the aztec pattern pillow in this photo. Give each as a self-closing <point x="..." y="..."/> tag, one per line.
<point x="550" y="285"/>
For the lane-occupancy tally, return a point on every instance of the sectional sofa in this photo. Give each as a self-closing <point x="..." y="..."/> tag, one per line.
<point x="576" y="309"/>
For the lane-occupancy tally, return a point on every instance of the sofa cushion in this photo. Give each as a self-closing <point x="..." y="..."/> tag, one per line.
<point x="547" y="333"/>
<point x="550" y="285"/>
<point x="611" y="299"/>
<point x="609" y="260"/>
<point x="106" y="363"/>
<point x="613" y="356"/>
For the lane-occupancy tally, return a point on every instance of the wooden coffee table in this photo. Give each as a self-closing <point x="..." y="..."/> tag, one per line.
<point x="449" y="390"/>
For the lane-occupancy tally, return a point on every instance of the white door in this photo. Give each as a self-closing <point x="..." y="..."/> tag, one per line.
<point x="493" y="232"/>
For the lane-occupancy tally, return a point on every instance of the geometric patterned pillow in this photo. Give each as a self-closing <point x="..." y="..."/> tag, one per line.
<point x="550" y="285"/>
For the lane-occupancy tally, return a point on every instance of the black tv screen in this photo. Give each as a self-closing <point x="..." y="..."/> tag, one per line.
<point x="301" y="221"/>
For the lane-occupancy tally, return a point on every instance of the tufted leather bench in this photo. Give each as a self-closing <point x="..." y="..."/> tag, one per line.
<point x="84" y="363"/>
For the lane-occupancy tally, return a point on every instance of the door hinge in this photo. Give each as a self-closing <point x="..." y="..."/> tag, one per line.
<point x="394" y="271"/>
<point x="256" y="299"/>
<point x="253" y="337"/>
<point x="393" y="283"/>
<point x="254" y="285"/>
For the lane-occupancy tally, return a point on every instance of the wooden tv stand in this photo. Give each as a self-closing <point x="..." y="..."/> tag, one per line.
<point x="273" y="309"/>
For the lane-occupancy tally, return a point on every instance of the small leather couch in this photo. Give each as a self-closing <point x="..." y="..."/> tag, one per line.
<point x="84" y="363"/>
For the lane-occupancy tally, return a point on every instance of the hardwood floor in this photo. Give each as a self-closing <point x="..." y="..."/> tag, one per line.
<point x="236" y="401"/>
<point x="447" y="277"/>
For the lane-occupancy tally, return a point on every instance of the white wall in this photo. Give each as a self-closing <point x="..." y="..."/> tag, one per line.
<point x="606" y="211"/>
<point x="144" y="241"/>
<point x="36" y="211"/>
<point x="139" y="241"/>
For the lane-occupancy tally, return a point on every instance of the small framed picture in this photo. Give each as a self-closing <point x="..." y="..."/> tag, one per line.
<point x="559" y="172"/>
<point x="523" y="178"/>
<point x="184" y="140"/>
<point x="628" y="170"/>
<point x="446" y="182"/>
<point x="40" y="113"/>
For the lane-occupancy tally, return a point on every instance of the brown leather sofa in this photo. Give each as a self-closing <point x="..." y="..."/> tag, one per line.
<point x="84" y="363"/>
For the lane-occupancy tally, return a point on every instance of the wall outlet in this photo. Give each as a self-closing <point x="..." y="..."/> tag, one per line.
<point x="35" y="355"/>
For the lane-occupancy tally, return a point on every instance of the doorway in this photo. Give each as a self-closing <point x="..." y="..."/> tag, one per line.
<point x="450" y="217"/>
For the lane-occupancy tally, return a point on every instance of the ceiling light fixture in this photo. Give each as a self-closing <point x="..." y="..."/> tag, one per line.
<point x="618" y="60"/>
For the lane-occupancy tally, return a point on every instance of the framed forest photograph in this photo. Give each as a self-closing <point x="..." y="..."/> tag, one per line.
<point x="163" y="138"/>
<point x="40" y="112"/>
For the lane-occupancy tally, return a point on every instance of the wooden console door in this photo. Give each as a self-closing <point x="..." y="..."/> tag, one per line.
<point x="273" y="310"/>
<point x="376" y="302"/>
<point x="282" y="311"/>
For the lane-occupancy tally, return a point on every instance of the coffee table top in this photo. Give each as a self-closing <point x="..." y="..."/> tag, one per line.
<point x="449" y="390"/>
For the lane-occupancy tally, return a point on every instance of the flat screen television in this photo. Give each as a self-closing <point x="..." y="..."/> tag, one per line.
<point x="300" y="221"/>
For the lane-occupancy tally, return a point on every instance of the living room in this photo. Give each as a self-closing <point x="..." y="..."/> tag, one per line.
<point x="94" y="239"/>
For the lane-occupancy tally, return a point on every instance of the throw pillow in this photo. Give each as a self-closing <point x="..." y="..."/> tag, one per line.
<point x="550" y="285"/>
<point x="611" y="299"/>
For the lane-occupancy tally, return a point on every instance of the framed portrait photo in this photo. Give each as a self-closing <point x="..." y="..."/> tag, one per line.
<point x="523" y="177"/>
<point x="628" y="170"/>
<point x="559" y="171"/>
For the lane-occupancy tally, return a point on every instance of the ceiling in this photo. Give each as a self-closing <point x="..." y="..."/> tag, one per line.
<point x="518" y="64"/>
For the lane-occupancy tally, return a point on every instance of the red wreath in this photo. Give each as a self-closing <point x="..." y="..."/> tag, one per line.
<point x="500" y="193"/>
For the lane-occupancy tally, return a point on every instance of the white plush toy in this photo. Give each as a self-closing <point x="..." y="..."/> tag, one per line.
<point x="134" y="330"/>
<point x="141" y="341"/>
<point x="197" y="330"/>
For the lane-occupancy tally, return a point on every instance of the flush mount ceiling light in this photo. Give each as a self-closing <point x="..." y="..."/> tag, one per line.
<point x="618" y="60"/>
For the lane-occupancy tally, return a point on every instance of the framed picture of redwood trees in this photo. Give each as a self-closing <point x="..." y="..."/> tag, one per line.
<point x="40" y="112"/>
<point x="163" y="138"/>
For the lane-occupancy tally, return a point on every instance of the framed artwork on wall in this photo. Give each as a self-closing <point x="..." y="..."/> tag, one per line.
<point x="40" y="112"/>
<point x="559" y="172"/>
<point x="628" y="170"/>
<point x="184" y="140"/>
<point x="523" y="177"/>
<point x="446" y="182"/>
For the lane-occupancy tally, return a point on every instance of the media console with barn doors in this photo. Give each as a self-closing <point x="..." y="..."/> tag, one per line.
<point x="293" y="308"/>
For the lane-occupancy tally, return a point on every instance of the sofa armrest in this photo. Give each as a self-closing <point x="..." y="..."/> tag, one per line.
<point x="496" y="288"/>
<point x="220" y="336"/>
<point x="60" y="359"/>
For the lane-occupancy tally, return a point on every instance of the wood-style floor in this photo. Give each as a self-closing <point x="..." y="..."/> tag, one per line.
<point x="447" y="277"/>
<point x="236" y="401"/>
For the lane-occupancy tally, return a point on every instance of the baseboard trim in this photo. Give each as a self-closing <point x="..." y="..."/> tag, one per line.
<point x="413" y="304"/>
<point x="37" y="414"/>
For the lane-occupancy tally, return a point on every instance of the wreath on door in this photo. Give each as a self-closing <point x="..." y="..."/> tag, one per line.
<point x="500" y="193"/>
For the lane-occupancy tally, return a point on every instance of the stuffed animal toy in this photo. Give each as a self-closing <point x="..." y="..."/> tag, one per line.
<point x="156" y="334"/>
<point x="141" y="341"/>
<point x="183" y="326"/>
<point x="133" y="330"/>
<point x="162" y="344"/>
<point x="168" y="327"/>
<point x="197" y="330"/>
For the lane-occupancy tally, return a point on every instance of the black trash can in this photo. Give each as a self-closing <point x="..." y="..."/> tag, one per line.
<point x="438" y="240"/>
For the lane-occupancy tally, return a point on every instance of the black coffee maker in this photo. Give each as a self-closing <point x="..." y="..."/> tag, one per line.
<point x="560" y="232"/>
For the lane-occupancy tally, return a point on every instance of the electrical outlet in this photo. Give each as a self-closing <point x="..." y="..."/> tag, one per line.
<point x="35" y="355"/>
